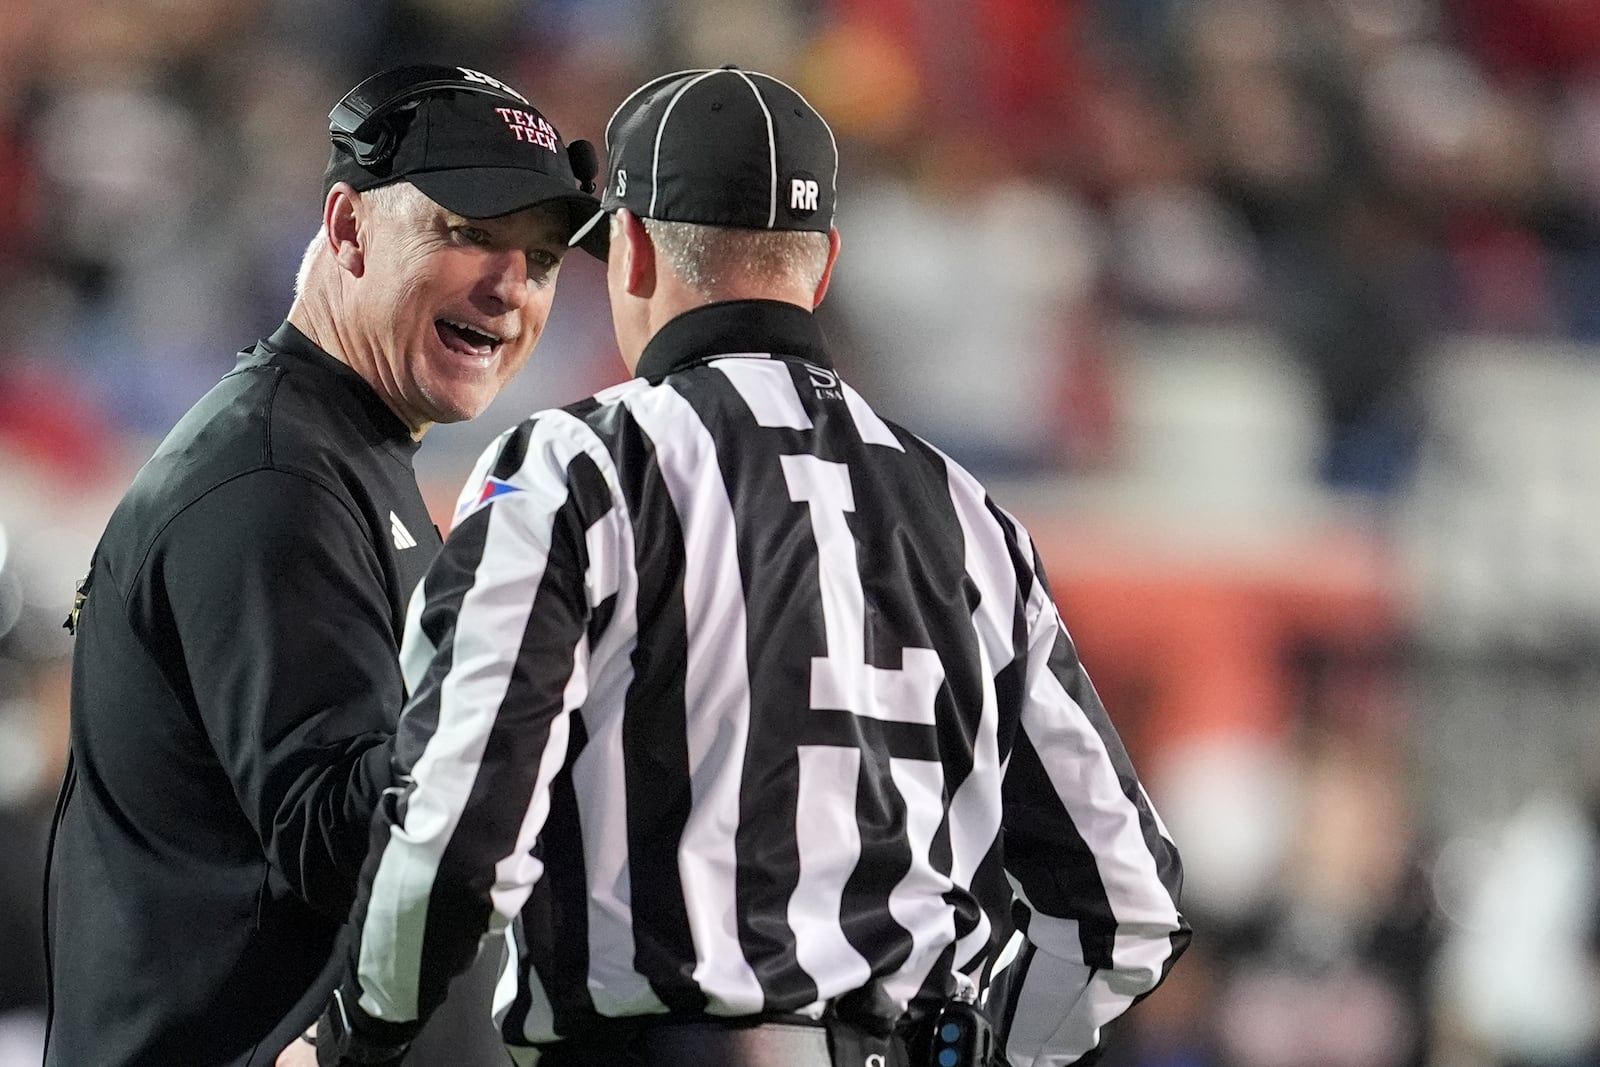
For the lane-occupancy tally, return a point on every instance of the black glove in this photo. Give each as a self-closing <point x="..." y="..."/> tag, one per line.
<point x="340" y="1044"/>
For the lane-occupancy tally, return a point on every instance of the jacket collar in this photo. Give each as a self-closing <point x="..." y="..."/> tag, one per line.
<point x="767" y="326"/>
<point x="288" y="341"/>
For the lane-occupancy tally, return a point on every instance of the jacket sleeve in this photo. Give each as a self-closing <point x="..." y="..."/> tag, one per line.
<point x="497" y="653"/>
<point x="285" y="642"/>
<point x="1096" y="877"/>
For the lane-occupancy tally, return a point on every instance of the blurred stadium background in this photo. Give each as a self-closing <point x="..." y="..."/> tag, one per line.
<point x="1278" y="320"/>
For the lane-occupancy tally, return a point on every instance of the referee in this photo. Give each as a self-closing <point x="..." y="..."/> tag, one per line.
<point x="744" y="713"/>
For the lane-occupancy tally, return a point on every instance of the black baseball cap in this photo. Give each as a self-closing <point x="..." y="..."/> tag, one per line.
<point x="722" y="147"/>
<point x="468" y="141"/>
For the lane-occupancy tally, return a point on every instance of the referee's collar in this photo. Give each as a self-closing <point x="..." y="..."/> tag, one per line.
<point x="702" y="333"/>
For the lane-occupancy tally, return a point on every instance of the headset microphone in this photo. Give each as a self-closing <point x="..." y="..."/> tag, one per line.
<point x="585" y="164"/>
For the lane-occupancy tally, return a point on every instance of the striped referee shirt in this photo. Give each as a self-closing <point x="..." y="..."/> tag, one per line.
<point x="730" y="697"/>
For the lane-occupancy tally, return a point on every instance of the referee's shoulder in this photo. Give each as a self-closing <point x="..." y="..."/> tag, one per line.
<point x="598" y="411"/>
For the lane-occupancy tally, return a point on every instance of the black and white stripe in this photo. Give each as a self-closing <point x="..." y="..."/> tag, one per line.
<point x="730" y="701"/>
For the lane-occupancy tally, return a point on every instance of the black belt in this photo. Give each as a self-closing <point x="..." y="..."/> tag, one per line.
<point x="708" y="1041"/>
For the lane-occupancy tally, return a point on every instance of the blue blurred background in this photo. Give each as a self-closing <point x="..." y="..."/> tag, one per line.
<point x="1277" y="320"/>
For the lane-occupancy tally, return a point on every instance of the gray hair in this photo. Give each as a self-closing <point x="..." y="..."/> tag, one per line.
<point x="308" y="263"/>
<point x="708" y="257"/>
<point x="395" y="200"/>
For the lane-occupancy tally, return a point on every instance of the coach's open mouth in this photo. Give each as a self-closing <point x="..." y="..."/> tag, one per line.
<point x="467" y="339"/>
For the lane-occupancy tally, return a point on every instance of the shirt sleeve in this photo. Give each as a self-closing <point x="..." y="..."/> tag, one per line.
<point x="1096" y="876"/>
<point x="496" y="650"/>
<point x="287" y="648"/>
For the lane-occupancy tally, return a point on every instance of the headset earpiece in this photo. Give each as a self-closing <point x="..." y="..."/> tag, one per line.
<point x="373" y="142"/>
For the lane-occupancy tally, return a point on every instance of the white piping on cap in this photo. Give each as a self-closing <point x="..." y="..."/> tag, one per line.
<point x="661" y="128"/>
<point x="583" y="231"/>
<point x="702" y="73"/>
<point x="611" y="160"/>
<point x="645" y="88"/>
<point x="831" y="138"/>
<point x="772" y="152"/>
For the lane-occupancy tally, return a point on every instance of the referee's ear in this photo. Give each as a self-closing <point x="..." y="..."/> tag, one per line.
<point x="638" y="255"/>
<point x="827" y="271"/>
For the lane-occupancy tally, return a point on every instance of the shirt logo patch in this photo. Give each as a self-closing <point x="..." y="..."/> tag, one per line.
<point x="402" y="536"/>
<point x="824" y="383"/>
<point x="492" y="489"/>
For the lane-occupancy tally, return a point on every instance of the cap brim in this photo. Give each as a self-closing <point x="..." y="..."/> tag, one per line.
<point x="490" y="192"/>
<point x="594" y="236"/>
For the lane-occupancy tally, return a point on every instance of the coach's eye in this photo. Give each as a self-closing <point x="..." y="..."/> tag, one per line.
<point x="542" y="266"/>
<point x="473" y="235"/>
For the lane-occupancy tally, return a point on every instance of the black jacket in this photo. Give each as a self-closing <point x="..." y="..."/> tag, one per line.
<point x="235" y="683"/>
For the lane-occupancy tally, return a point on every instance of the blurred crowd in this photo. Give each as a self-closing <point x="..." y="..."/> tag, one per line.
<point x="1347" y="251"/>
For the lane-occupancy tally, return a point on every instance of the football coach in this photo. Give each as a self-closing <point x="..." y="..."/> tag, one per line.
<point x="236" y="682"/>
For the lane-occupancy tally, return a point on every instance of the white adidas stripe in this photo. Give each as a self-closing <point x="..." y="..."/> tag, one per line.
<point x="402" y="536"/>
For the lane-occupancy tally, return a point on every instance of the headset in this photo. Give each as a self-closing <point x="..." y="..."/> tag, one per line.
<point x="368" y="122"/>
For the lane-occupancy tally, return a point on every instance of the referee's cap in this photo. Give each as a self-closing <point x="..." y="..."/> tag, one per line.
<point x="723" y="147"/>
<point x="469" y="141"/>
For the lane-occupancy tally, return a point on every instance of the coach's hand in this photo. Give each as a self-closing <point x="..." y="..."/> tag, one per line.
<point x="302" y="1053"/>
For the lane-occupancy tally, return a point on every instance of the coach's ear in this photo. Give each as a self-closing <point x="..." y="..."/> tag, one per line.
<point x="827" y="272"/>
<point x="344" y="223"/>
<point x="632" y="241"/>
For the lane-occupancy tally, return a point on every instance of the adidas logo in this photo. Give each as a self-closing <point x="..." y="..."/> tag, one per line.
<point x="402" y="536"/>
